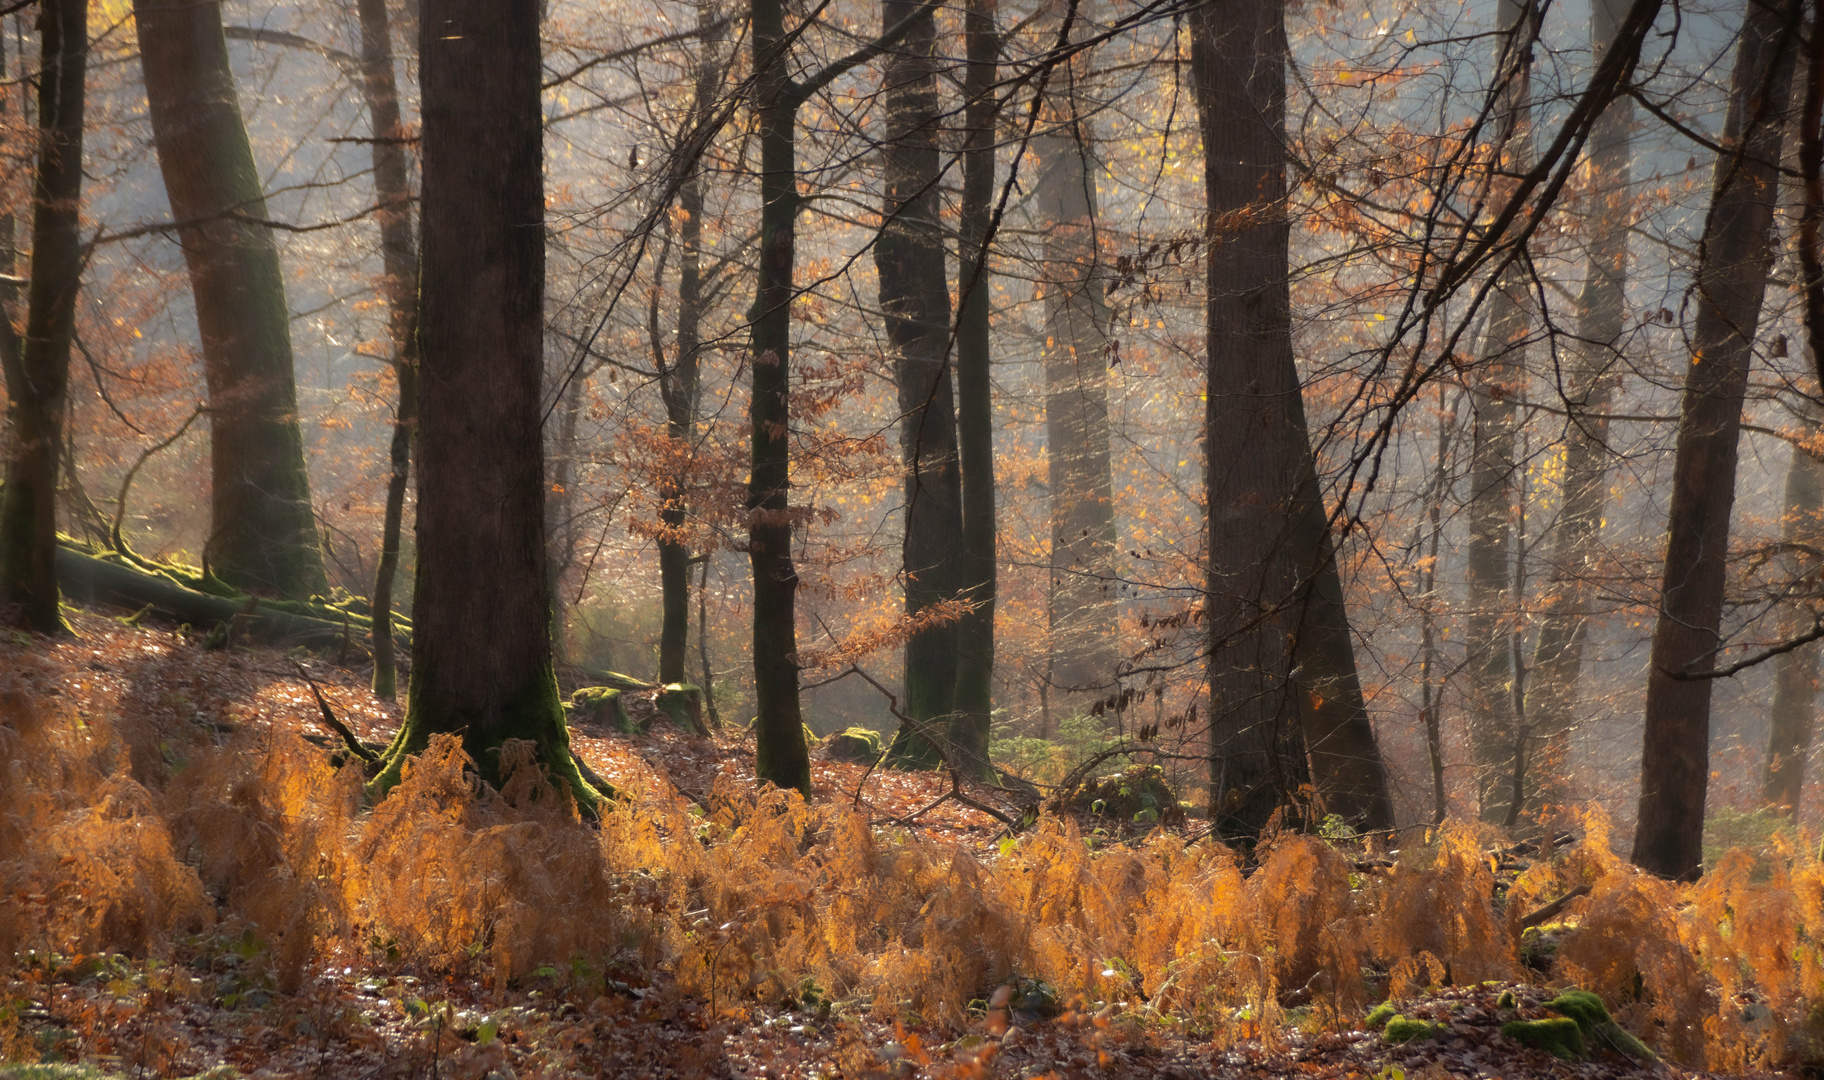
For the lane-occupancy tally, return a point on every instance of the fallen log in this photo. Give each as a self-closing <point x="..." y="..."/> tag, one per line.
<point x="85" y="577"/>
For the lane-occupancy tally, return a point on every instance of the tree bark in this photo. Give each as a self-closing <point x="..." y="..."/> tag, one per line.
<point x="976" y="582"/>
<point x="37" y="373"/>
<point x="1552" y="689"/>
<point x="679" y="385"/>
<point x="1489" y="633"/>
<point x="399" y="260"/>
<point x="1731" y="278"/>
<point x="781" y="757"/>
<point x="481" y="641"/>
<point x="1795" y="673"/>
<point x="915" y="300"/>
<point x="263" y="533"/>
<point x="1285" y="699"/>
<point x="1083" y="656"/>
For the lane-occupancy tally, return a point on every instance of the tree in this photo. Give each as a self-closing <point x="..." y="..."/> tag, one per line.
<point x="1552" y="684"/>
<point x="37" y="369"/>
<point x="263" y="533"/>
<point x="781" y="757"/>
<point x="915" y="300"/>
<point x="1795" y="672"/>
<point x="481" y="635"/>
<point x="1735" y="254"/>
<point x="1083" y="658"/>
<point x="1496" y="727"/>
<point x="976" y="581"/>
<point x="1285" y="699"/>
<point x="399" y="260"/>
<point x="679" y="382"/>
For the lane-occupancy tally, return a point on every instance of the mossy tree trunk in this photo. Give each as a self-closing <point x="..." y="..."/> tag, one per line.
<point x="263" y="534"/>
<point x="1731" y="278"/>
<point x="399" y="260"/>
<point x="1286" y="701"/>
<point x="975" y="394"/>
<point x="37" y="370"/>
<point x="915" y="301"/>
<point x="481" y="641"/>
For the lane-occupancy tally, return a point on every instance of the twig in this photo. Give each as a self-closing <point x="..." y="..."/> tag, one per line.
<point x="956" y="774"/>
<point x="335" y="725"/>
<point x="1553" y="908"/>
<point x="126" y="483"/>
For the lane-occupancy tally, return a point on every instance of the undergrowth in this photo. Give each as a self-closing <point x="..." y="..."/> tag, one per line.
<point x="116" y="838"/>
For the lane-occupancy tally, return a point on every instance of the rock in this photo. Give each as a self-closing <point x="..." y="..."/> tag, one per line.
<point x="1558" y="1036"/>
<point x="856" y="744"/>
<point x="1404" y="1029"/>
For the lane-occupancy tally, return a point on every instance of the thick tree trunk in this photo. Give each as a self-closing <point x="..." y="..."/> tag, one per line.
<point x="481" y="641"/>
<point x="975" y="396"/>
<point x="399" y="259"/>
<point x="915" y="300"/>
<point x="1732" y="269"/>
<point x="679" y="385"/>
<point x="263" y="533"/>
<point x="37" y="373"/>
<point x="781" y="757"/>
<point x="1494" y="725"/>
<point x="1795" y="673"/>
<point x="1552" y="687"/>
<point x="1285" y="699"/>
<point x="1083" y="655"/>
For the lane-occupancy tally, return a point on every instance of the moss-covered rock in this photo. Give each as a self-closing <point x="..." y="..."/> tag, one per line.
<point x="1404" y="1029"/>
<point x="856" y="744"/>
<point x="602" y="704"/>
<point x="1138" y="794"/>
<point x="1558" y="1035"/>
<point x="1597" y="1026"/>
<point x="1506" y="1000"/>
<point x="682" y="704"/>
<point x="1379" y="1015"/>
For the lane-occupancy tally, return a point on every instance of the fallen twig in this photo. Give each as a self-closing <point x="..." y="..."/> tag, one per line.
<point x="1553" y="908"/>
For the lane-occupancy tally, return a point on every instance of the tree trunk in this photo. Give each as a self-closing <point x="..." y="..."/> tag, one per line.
<point x="263" y="533"/>
<point x="975" y="396"/>
<point x="679" y="385"/>
<point x="1731" y="277"/>
<point x="481" y="641"/>
<point x="1285" y="699"/>
<point x="37" y="374"/>
<point x="1494" y="725"/>
<point x="1083" y="654"/>
<point x="780" y="754"/>
<point x="915" y="300"/>
<point x="399" y="259"/>
<point x="1795" y="673"/>
<point x="1551" y="696"/>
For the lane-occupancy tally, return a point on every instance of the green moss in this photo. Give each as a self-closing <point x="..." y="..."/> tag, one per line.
<point x="1404" y="1029"/>
<point x="1378" y="1016"/>
<point x="855" y="744"/>
<point x="1506" y="1000"/>
<point x="1558" y="1036"/>
<point x="1597" y="1026"/>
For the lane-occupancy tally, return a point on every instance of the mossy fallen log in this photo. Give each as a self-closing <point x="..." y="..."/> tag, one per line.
<point x="86" y="577"/>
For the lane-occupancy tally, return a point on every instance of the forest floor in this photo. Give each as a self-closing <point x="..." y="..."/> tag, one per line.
<point x="356" y="1014"/>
